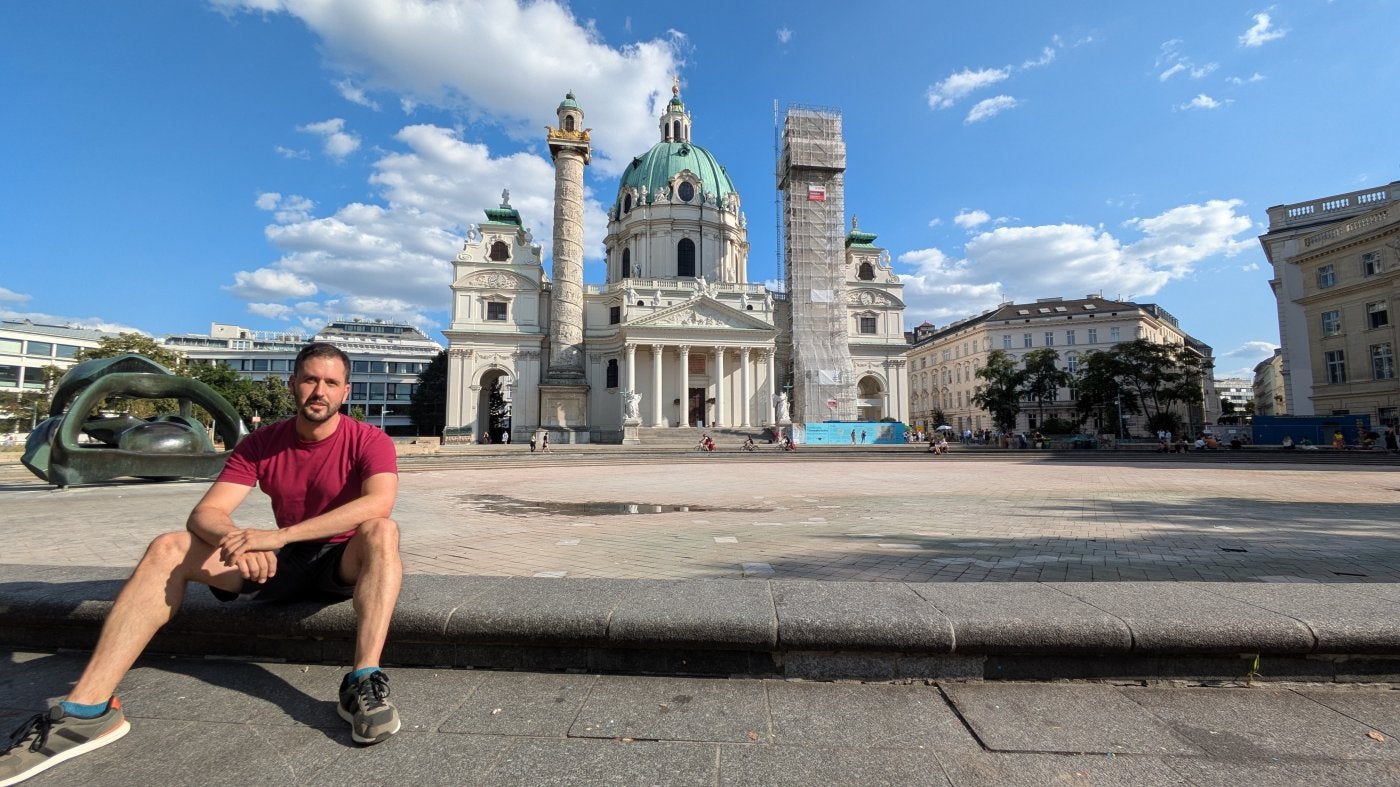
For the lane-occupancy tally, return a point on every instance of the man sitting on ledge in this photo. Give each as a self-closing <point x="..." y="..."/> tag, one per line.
<point x="332" y="481"/>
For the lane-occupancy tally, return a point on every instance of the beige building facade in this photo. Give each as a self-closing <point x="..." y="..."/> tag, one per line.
<point x="1270" y="394"/>
<point x="1350" y="274"/>
<point x="943" y="363"/>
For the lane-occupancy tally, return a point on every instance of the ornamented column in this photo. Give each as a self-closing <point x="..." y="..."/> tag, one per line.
<point x="631" y="367"/>
<point x="570" y="147"/>
<point x="685" y="385"/>
<point x="747" y="403"/>
<point x="719" y="387"/>
<point x="658" y="410"/>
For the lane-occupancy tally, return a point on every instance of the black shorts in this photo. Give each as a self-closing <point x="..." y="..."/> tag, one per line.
<point x="306" y="570"/>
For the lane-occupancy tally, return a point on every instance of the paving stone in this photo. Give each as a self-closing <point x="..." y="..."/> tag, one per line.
<point x="858" y="616"/>
<point x="1262" y="723"/>
<point x="1187" y="618"/>
<point x="1376" y="708"/>
<point x="867" y="716"/>
<point x="1342" y="621"/>
<point x="518" y="703"/>
<point x="1331" y="773"/>
<point x="1002" y="617"/>
<point x="1062" y="718"/>
<point x="674" y="709"/>
<point x="804" y="766"/>
<point x="578" y="762"/>
<point x="1036" y="770"/>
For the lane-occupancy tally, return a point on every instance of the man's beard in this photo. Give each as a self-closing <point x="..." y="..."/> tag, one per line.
<point x="314" y="417"/>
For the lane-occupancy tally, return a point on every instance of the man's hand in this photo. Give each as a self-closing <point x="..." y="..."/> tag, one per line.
<point x="257" y="566"/>
<point x="244" y="541"/>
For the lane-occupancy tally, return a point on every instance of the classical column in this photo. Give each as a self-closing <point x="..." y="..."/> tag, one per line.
<point x="658" y="409"/>
<point x="772" y="384"/>
<point x="747" y="403"/>
<point x="719" y="386"/>
<point x="685" y="385"/>
<point x="632" y="367"/>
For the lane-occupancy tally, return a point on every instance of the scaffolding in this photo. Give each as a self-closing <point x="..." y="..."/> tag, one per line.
<point x="811" y="177"/>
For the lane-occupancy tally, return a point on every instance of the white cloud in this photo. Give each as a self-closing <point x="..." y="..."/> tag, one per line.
<point x="935" y="221"/>
<point x="1203" y="101"/>
<point x="784" y="35"/>
<point x="947" y="93"/>
<point x="968" y="219"/>
<point x="355" y="94"/>
<point x="272" y="311"/>
<point x="286" y="152"/>
<point x="10" y="296"/>
<point x="336" y="142"/>
<point x="44" y="318"/>
<point x="452" y="53"/>
<point x="1257" y="77"/>
<point x="990" y="108"/>
<point x="270" y="283"/>
<point x="1047" y="56"/>
<point x="392" y="258"/>
<point x="1029" y="262"/>
<point x="1253" y="266"/>
<point x="1175" y="69"/>
<point x="1253" y="349"/>
<point x="1262" y="32"/>
<point x="1175" y="63"/>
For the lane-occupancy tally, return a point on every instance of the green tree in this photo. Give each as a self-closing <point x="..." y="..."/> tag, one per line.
<point x="1042" y="379"/>
<point x="140" y="344"/>
<point x="428" y="408"/>
<point x="498" y="409"/>
<point x="1001" y="394"/>
<point x="272" y="399"/>
<point x="1099" y="395"/>
<point x="1151" y="379"/>
<point x="939" y="417"/>
<point x="1226" y="406"/>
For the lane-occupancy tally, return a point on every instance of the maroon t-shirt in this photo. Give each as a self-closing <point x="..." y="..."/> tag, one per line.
<point x="305" y="479"/>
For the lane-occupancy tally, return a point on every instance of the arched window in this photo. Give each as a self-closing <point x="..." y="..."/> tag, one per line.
<point x="626" y="263"/>
<point x="500" y="252"/>
<point x="867" y="272"/>
<point x="676" y="130"/>
<point x="568" y="122"/>
<point x="627" y="204"/>
<point x="685" y="257"/>
<point x="612" y="373"/>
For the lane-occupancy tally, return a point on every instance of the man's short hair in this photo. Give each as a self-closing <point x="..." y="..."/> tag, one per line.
<point x="321" y="350"/>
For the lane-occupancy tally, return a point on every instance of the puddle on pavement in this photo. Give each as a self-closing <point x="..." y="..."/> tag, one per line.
<point x="509" y="506"/>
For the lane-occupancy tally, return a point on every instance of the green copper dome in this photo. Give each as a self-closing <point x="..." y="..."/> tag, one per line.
<point x="569" y="102"/>
<point x="655" y="169"/>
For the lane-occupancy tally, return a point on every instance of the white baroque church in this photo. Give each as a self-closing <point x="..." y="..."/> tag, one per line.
<point x="676" y="337"/>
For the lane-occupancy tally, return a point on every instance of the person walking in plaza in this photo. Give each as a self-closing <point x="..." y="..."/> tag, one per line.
<point x="333" y="481"/>
<point x="1391" y="442"/>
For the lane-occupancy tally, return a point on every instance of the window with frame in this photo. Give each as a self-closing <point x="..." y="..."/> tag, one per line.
<point x="496" y="311"/>
<point x="1073" y="367"/>
<point x="1027" y="340"/>
<point x="1006" y="342"/>
<point x="1049" y="338"/>
<point x="1093" y="335"/>
<point x="39" y="348"/>
<point x="500" y="252"/>
<point x="1331" y="322"/>
<point x="1370" y="263"/>
<point x="612" y="373"/>
<point x="1326" y="277"/>
<point x="866" y="272"/>
<point x="868" y="325"/>
<point x="1114" y="334"/>
<point x="626" y="263"/>
<point x="685" y="258"/>
<point x="1069" y="337"/>
<point x="614" y="315"/>
<point x="1377" y="314"/>
<point x="1335" y="362"/>
<point x="1382" y="362"/>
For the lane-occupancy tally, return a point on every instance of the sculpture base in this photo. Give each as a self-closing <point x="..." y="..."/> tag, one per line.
<point x="632" y="433"/>
<point x="564" y="406"/>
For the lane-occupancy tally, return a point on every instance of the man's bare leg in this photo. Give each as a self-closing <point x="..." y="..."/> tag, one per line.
<point x="148" y="601"/>
<point x="371" y="561"/>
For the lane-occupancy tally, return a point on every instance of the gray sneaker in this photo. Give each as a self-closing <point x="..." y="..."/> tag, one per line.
<point x="365" y="704"/>
<point x="47" y="739"/>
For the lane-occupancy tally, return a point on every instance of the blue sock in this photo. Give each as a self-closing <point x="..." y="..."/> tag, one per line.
<point x="360" y="673"/>
<point x="78" y="711"/>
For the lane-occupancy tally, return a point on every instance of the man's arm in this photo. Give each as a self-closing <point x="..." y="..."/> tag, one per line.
<point x="376" y="500"/>
<point x="212" y="517"/>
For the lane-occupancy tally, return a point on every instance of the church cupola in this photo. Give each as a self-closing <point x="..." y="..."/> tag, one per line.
<point x="675" y="123"/>
<point x="570" y="115"/>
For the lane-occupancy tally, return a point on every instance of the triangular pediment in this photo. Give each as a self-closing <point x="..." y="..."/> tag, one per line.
<point x="703" y="313"/>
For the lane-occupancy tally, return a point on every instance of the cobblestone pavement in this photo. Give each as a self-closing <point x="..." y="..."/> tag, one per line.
<point x="894" y="519"/>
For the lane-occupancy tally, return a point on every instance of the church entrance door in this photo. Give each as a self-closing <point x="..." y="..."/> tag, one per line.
<point x="697" y="407"/>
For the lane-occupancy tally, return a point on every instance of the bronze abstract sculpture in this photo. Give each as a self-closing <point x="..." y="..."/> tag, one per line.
<point x="166" y="446"/>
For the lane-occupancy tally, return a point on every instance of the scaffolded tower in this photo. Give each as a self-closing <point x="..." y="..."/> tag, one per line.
<point x="811" y="175"/>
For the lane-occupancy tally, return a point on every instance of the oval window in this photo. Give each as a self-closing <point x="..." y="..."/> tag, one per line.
<point x="686" y="191"/>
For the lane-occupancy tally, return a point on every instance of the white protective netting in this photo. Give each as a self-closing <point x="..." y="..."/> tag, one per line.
<point x="812" y="179"/>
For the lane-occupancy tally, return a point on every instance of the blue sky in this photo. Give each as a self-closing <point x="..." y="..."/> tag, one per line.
<point x="276" y="163"/>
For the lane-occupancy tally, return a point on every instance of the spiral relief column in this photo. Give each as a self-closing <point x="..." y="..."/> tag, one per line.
<point x="564" y="393"/>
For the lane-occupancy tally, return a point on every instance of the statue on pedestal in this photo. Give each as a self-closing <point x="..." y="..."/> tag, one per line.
<point x="631" y="407"/>
<point x="780" y="405"/>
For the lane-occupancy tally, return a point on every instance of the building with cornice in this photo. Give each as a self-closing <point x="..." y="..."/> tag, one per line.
<point x="676" y="336"/>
